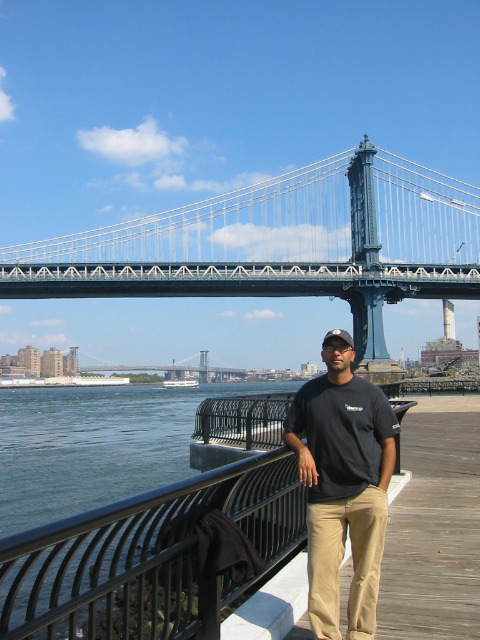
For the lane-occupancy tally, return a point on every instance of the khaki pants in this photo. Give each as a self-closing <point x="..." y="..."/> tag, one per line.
<point x="366" y="517"/>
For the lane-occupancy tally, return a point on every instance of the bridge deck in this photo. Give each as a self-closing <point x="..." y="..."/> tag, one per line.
<point x="79" y="280"/>
<point x="431" y="572"/>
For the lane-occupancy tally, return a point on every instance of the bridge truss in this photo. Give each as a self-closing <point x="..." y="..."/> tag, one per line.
<point x="248" y="279"/>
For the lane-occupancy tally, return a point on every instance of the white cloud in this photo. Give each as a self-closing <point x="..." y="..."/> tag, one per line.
<point x="264" y="314"/>
<point x="5" y="310"/>
<point x="148" y="145"/>
<point x="106" y="209"/>
<point x="226" y="314"/>
<point x="301" y="242"/>
<point x="14" y="338"/>
<point x="52" y="340"/>
<point x="133" y="180"/>
<point x="17" y="340"/>
<point x="6" y="106"/>
<point x="170" y="182"/>
<point x="47" y="323"/>
<point x="132" y="147"/>
<point x="240" y="181"/>
<point x="178" y="181"/>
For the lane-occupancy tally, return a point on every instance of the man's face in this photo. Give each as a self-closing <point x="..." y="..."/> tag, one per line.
<point x="338" y="355"/>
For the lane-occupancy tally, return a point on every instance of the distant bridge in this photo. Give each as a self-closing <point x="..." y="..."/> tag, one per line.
<point x="172" y="371"/>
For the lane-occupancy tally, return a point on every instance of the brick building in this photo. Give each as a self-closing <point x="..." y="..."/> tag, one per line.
<point x="30" y="359"/>
<point x="445" y="353"/>
<point x="52" y="363"/>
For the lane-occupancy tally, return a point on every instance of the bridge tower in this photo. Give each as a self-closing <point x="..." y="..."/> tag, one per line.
<point x="366" y="295"/>
<point x="72" y="367"/>
<point x="204" y="375"/>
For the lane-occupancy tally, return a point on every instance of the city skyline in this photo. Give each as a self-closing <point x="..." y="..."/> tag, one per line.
<point x="113" y="111"/>
<point x="86" y="360"/>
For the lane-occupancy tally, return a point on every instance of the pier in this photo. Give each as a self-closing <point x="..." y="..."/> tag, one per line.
<point x="430" y="585"/>
<point x="430" y="581"/>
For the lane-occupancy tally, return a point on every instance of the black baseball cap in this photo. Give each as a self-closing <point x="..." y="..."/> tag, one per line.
<point x="339" y="333"/>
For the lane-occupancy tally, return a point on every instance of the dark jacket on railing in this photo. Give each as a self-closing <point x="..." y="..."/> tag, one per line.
<point x="224" y="549"/>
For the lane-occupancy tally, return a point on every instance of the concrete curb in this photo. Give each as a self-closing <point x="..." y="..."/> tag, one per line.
<point x="272" y="612"/>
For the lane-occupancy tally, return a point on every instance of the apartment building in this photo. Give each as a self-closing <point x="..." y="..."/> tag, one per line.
<point x="52" y="363"/>
<point x="30" y="359"/>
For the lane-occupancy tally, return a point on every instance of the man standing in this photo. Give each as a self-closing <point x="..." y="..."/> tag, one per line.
<point x="347" y="465"/>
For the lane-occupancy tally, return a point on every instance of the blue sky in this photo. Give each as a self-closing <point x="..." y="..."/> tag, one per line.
<point x="114" y="109"/>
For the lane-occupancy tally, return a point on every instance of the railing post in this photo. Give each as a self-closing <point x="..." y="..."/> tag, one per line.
<point x="248" y="431"/>
<point x="249" y="425"/>
<point x="206" y="417"/>
<point x="396" y="470"/>
<point x="239" y="417"/>
<point x="209" y="595"/>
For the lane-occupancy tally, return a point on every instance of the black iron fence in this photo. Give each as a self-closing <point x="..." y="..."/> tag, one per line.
<point x="441" y="386"/>
<point x="256" y="422"/>
<point x="130" y="570"/>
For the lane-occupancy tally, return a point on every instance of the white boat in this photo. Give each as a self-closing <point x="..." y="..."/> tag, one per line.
<point x="172" y="384"/>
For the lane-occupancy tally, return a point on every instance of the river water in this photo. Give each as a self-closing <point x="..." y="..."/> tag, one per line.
<point x="67" y="450"/>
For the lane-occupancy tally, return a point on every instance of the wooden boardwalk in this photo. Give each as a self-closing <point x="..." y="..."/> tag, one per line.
<point x="430" y="587"/>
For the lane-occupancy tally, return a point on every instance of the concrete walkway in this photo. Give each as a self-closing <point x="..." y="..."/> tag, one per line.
<point x="431" y="569"/>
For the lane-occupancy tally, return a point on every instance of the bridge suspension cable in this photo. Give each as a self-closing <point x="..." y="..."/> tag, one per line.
<point x="431" y="171"/>
<point x="423" y="214"/>
<point x="301" y="216"/>
<point x="143" y="235"/>
<point x="188" y="359"/>
<point x="108" y="362"/>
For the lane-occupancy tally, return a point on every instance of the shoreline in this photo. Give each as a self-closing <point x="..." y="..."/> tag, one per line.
<point x="77" y="383"/>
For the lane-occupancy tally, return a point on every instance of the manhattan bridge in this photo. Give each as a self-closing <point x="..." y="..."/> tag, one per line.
<point x="364" y="225"/>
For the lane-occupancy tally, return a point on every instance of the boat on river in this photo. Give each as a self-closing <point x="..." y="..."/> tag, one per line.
<point x="180" y="384"/>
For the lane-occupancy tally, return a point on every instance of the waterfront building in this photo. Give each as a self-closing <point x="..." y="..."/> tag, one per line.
<point x="7" y="360"/>
<point x="30" y="359"/>
<point x="447" y="353"/>
<point x="70" y="362"/>
<point x="52" y="363"/>
<point x="13" y="370"/>
<point x="309" y="369"/>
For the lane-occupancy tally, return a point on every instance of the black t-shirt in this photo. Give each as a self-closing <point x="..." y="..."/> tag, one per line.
<point x="344" y="425"/>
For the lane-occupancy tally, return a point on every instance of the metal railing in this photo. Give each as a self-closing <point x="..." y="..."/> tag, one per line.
<point x="256" y="422"/>
<point x="129" y="570"/>
<point x="400" y="408"/>
<point x="441" y="386"/>
<point x="391" y="389"/>
<point x="253" y="422"/>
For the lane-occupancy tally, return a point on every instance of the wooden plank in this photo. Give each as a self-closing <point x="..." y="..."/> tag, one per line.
<point x="430" y="585"/>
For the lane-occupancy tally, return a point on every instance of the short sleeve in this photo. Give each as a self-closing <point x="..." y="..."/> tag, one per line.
<point x="386" y="422"/>
<point x="294" y="420"/>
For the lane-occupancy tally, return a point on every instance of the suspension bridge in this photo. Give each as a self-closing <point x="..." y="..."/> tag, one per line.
<point x="364" y="225"/>
<point x="177" y="370"/>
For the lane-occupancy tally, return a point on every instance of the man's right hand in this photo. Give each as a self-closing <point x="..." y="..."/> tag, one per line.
<point x="307" y="471"/>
